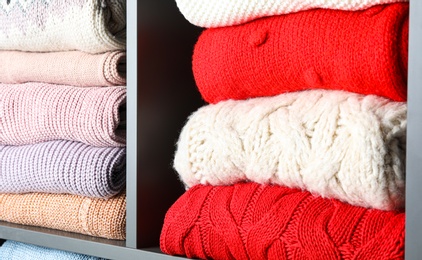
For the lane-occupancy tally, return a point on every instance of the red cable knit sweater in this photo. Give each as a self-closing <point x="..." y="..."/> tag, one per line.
<point x="357" y="51"/>
<point x="252" y="221"/>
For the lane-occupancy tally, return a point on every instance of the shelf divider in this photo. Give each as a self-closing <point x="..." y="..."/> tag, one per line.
<point x="414" y="132"/>
<point x="132" y="125"/>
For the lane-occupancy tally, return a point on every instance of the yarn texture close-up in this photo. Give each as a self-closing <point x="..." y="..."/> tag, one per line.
<point x="333" y="143"/>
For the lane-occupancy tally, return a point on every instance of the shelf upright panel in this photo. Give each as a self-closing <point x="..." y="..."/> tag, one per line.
<point x="414" y="133"/>
<point x="132" y="125"/>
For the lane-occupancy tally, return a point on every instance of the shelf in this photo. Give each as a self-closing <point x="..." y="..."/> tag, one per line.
<point x="73" y="242"/>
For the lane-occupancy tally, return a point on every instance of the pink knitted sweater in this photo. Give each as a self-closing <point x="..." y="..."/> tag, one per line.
<point x="38" y="112"/>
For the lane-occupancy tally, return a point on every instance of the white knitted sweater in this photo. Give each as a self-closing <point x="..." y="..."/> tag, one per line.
<point x="335" y="144"/>
<point x="93" y="26"/>
<point x="219" y="13"/>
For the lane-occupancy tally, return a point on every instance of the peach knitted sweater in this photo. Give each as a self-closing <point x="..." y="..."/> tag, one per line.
<point x="91" y="216"/>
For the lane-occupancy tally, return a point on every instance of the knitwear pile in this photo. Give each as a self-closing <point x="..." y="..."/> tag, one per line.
<point x="12" y="250"/>
<point x="336" y="144"/>
<point x="90" y="216"/>
<point x="44" y="26"/>
<point x="252" y="221"/>
<point x="357" y="51"/>
<point x="63" y="167"/>
<point x="220" y="13"/>
<point x="67" y="68"/>
<point x="39" y="112"/>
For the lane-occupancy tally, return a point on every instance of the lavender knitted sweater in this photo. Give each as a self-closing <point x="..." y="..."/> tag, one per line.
<point x="63" y="167"/>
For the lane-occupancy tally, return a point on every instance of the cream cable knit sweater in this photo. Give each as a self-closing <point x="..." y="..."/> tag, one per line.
<point x="336" y="144"/>
<point x="219" y="13"/>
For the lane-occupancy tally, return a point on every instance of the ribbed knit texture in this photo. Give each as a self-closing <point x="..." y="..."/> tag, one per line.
<point x="38" y="112"/>
<point x="219" y="13"/>
<point x="91" y="216"/>
<point x="358" y="51"/>
<point x="333" y="143"/>
<point x="251" y="221"/>
<point x="11" y="250"/>
<point x="63" y="167"/>
<point x="87" y="25"/>
<point x="67" y="68"/>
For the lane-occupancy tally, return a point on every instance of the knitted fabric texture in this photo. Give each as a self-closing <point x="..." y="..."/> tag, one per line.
<point x="63" y="167"/>
<point x="251" y="221"/>
<point x="11" y="250"/>
<point x="39" y="112"/>
<point x="220" y="13"/>
<point x="360" y="51"/>
<point x="90" y="216"/>
<point x="87" y="25"/>
<point x="333" y="143"/>
<point x="67" y="68"/>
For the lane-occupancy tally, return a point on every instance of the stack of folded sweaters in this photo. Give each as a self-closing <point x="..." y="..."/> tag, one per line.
<point x="300" y="153"/>
<point x="62" y="123"/>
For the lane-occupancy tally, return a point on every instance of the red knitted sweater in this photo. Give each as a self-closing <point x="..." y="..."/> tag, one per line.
<point x="252" y="221"/>
<point x="358" y="51"/>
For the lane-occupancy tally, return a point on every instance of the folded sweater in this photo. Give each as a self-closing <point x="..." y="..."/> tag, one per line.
<point x="220" y="13"/>
<point x="12" y="250"/>
<point x="68" y="68"/>
<point x="38" y="112"/>
<point x="333" y="143"/>
<point x="63" y="167"/>
<point x="44" y="26"/>
<point x="90" y="216"/>
<point x="360" y="51"/>
<point x="252" y="221"/>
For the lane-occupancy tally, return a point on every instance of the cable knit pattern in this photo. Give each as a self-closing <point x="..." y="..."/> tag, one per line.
<point x="360" y="51"/>
<point x="333" y="143"/>
<point x="67" y="68"/>
<point x="87" y="25"/>
<point x="63" y="167"/>
<point x="251" y="221"/>
<point x="219" y="13"/>
<point x="90" y="216"/>
<point x="39" y="112"/>
<point x="11" y="250"/>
